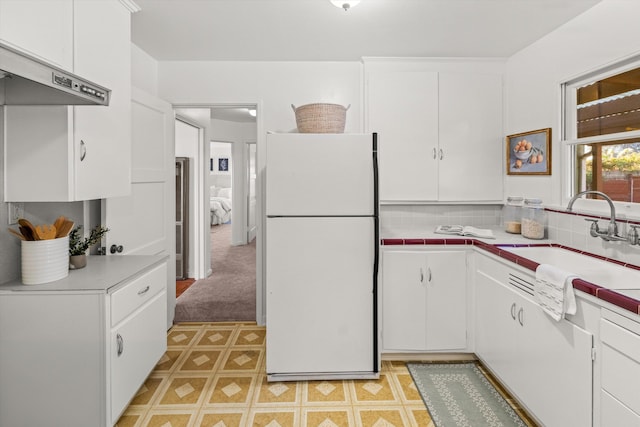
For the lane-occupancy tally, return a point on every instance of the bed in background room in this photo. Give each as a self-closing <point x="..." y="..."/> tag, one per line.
<point x="220" y="203"/>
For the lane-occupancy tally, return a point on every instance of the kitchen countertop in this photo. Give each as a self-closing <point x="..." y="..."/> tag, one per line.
<point x="628" y="299"/>
<point x="101" y="274"/>
<point x="501" y="236"/>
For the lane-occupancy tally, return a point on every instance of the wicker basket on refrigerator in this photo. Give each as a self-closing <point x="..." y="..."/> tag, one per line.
<point x="320" y="118"/>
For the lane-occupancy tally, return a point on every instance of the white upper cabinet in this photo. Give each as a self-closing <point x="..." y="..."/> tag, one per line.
<point x="103" y="55"/>
<point x="470" y="136"/>
<point x="41" y="28"/>
<point x="65" y="153"/>
<point x="402" y="107"/>
<point x="440" y="129"/>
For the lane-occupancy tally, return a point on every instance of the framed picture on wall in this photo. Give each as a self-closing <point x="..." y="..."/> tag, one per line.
<point x="529" y="153"/>
<point x="223" y="164"/>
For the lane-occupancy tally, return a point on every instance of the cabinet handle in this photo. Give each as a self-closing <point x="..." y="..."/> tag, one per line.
<point x="429" y="280"/>
<point x="521" y="316"/>
<point x="421" y="275"/>
<point x="513" y="311"/>
<point x="441" y="154"/>
<point x="435" y="153"/>
<point x="143" y="291"/>
<point x="83" y="150"/>
<point x="120" y="343"/>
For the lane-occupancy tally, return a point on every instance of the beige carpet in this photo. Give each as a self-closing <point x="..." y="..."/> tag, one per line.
<point x="229" y="294"/>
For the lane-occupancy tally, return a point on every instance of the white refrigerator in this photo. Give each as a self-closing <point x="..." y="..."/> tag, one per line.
<point x="321" y="256"/>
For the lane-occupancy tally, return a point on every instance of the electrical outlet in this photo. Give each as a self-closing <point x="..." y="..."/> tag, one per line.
<point x="16" y="211"/>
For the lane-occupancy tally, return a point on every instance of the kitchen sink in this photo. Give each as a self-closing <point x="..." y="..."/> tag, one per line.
<point x="594" y="270"/>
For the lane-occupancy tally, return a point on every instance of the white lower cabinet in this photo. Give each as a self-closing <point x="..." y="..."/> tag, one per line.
<point x="424" y="300"/>
<point x="139" y="341"/>
<point x="75" y="358"/>
<point x="546" y="364"/>
<point x="619" y="398"/>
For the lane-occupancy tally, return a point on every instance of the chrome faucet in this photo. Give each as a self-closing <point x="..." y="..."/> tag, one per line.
<point x="612" y="230"/>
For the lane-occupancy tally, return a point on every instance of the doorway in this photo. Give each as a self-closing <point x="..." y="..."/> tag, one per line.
<point x="228" y="207"/>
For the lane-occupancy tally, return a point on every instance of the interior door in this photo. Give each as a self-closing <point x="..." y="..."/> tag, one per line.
<point x="144" y="222"/>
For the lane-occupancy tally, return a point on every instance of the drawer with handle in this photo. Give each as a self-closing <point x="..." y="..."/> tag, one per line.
<point x="620" y="360"/>
<point x="127" y="299"/>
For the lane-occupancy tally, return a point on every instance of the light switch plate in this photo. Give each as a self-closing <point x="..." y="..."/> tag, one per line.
<point x="16" y="211"/>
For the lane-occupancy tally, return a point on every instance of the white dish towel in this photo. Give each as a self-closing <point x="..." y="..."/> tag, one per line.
<point x="554" y="291"/>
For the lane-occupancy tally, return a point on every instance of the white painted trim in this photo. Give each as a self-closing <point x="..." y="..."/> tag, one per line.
<point x="261" y="221"/>
<point x="200" y="215"/>
<point x="131" y="5"/>
<point x="634" y="134"/>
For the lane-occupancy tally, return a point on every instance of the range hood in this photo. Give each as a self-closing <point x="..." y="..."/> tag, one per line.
<point x="25" y="80"/>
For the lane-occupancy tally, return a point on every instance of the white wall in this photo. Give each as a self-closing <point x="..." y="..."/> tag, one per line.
<point x="144" y="70"/>
<point x="221" y="178"/>
<point x="274" y="86"/>
<point x="604" y="34"/>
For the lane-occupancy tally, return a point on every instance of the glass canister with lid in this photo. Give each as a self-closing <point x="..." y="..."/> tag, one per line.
<point x="534" y="219"/>
<point x="512" y="214"/>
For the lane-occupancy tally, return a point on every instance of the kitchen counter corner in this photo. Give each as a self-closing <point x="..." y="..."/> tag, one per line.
<point x="101" y="274"/>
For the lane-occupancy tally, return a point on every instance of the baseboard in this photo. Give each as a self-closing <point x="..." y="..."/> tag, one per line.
<point x="432" y="357"/>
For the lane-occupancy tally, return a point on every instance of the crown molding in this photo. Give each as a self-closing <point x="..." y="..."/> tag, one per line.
<point x="131" y="5"/>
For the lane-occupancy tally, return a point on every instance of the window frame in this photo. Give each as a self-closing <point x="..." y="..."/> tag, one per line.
<point x="568" y="122"/>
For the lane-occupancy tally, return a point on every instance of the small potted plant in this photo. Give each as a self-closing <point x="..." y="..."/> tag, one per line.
<point x="78" y="245"/>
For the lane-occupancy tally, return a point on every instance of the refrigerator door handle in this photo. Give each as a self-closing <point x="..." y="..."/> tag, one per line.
<point x="376" y="249"/>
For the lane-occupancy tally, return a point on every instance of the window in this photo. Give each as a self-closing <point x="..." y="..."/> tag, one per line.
<point x="602" y="131"/>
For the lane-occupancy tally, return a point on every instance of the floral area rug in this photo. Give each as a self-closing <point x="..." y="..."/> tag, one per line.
<point x="459" y="395"/>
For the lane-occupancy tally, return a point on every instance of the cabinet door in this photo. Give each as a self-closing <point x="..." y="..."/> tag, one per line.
<point x="404" y="319"/>
<point x="403" y="108"/>
<point x="556" y="360"/>
<point x="38" y="143"/>
<point x="102" y="135"/>
<point x="41" y="28"/>
<point x="495" y="338"/>
<point x="470" y="137"/>
<point x="136" y="345"/>
<point x="446" y="308"/>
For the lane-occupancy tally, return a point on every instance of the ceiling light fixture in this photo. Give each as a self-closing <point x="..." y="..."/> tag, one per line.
<point x="344" y="4"/>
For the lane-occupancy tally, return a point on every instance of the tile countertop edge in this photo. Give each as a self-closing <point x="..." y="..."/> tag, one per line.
<point x="101" y="274"/>
<point x="616" y="298"/>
